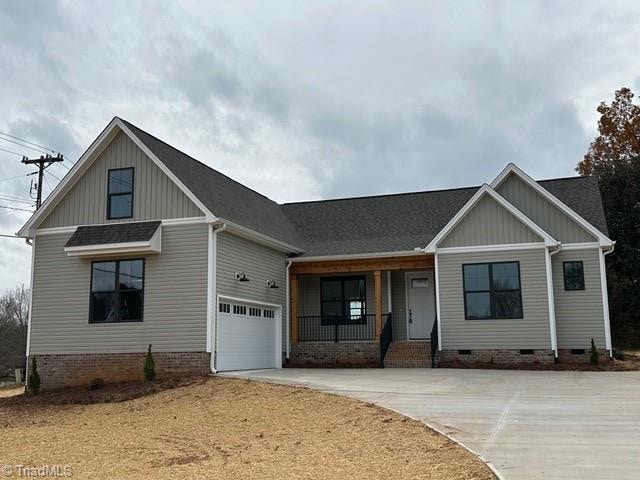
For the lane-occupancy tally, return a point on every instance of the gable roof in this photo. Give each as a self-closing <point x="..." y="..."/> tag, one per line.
<point x="485" y="190"/>
<point x="228" y="199"/>
<point x="361" y="225"/>
<point x="402" y="222"/>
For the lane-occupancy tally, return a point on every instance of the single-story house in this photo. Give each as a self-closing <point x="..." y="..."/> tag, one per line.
<point x="141" y="244"/>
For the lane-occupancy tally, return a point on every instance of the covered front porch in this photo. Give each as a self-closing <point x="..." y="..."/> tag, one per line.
<point x="350" y="311"/>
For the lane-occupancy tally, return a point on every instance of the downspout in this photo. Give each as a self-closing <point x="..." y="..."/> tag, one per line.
<point x="288" y="305"/>
<point x="605" y="297"/>
<point x="551" y="298"/>
<point x="212" y="295"/>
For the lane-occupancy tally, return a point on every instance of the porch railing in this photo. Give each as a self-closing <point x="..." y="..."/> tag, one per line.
<point x="386" y="336"/>
<point x="434" y="342"/>
<point x="315" y="328"/>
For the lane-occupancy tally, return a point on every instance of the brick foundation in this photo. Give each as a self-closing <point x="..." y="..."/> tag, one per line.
<point x="335" y="354"/>
<point x="57" y="371"/>
<point x="565" y="356"/>
<point x="513" y="357"/>
<point x="408" y="354"/>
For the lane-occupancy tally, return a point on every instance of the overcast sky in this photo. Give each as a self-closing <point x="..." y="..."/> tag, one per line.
<point x="308" y="100"/>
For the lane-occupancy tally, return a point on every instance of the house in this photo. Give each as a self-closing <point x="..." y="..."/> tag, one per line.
<point x="141" y="244"/>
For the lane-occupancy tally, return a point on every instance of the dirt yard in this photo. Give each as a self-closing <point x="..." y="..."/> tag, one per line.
<point x="226" y="429"/>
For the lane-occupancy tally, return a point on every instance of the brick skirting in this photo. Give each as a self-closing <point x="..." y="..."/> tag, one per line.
<point x="57" y="371"/>
<point x="335" y="354"/>
<point x="496" y="356"/>
<point x="565" y="356"/>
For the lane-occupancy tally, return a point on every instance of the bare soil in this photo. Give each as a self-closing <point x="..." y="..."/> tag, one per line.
<point x="223" y="429"/>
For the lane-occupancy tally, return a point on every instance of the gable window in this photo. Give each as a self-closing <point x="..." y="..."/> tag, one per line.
<point x="117" y="291"/>
<point x="573" y="275"/>
<point x="343" y="300"/>
<point x="120" y="193"/>
<point x="492" y="290"/>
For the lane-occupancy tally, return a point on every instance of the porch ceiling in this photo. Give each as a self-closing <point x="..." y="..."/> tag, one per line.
<point x="409" y="262"/>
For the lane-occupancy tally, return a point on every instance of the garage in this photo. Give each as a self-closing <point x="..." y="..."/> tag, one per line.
<point x="249" y="335"/>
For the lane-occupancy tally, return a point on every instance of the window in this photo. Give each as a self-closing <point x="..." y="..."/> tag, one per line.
<point x="225" y="308"/>
<point x="343" y="300"/>
<point x="120" y="193"/>
<point x="573" y="275"/>
<point x="239" y="310"/>
<point x="268" y="313"/>
<point x="255" y="312"/>
<point x="492" y="290"/>
<point x="117" y="291"/>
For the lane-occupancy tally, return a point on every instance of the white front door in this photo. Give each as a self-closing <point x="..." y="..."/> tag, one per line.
<point x="421" y="311"/>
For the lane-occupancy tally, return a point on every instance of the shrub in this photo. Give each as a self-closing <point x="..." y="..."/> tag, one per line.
<point x="593" y="358"/>
<point x="34" y="377"/>
<point x="149" y="366"/>
<point x="96" y="384"/>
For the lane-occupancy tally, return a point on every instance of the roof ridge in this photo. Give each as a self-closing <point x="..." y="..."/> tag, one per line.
<point x="198" y="161"/>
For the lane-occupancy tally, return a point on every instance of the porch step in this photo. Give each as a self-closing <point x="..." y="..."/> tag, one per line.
<point x="413" y="354"/>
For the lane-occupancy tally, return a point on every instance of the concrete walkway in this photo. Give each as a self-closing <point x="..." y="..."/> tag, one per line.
<point x="530" y="425"/>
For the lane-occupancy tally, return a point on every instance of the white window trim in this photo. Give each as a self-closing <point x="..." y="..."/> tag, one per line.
<point x="482" y="191"/>
<point x="438" y="319"/>
<point x="605" y="300"/>
<point x="603" y="240"/>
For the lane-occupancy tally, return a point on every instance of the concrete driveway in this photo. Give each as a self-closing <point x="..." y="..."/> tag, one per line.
<point x="530" y="425"/>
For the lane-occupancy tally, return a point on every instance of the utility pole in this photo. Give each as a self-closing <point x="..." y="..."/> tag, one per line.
<point x="40" y="162"/>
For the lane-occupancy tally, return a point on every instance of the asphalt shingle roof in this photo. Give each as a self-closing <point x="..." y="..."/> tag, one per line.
<point x="113" y="233"/>
<point x="384" y="223"/>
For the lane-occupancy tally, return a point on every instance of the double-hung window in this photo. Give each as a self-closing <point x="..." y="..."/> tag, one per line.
<point x="492" y="290"/>
<point x="573" y="275"/>
<point x="343" y="300"/>
<point x="120" y="193"/>
<point x="117" y="291"/>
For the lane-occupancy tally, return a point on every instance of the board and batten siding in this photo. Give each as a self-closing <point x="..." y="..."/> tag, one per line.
<point x="489" y="223"/>
<point x="175" y="299"/>
<point x="531" y="331"/>
<point x="579" y="313"/>
<point x="260" y="263"/>
<point x="549" y="217"/>
<point x="155" y="196"/>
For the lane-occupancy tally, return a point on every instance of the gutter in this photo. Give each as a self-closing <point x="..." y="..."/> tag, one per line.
<point x="213" y="293"/>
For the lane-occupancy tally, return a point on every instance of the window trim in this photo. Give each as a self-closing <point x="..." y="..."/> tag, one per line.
<point x="110" y="195"/>
<point x="564" y="276"/>
<point x="328" y="321"/>
<point x="491" y="291"/>
<point x="117" y="291"/>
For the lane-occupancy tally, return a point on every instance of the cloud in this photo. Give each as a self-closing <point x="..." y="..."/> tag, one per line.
<point x="317" y="100"/>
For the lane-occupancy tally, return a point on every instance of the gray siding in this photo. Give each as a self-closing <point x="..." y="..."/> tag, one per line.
<point x="155" y="196"/>
<point x="543" y="212"/>
<point x="260" y="263"/>
<point x="579" y="314"/>
<point x="489" y="223"/>
<point x="175" y="299"/>
<point x="532" y="331"/>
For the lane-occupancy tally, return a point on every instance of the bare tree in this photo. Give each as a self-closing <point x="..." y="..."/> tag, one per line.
<point x="14" y="320"/>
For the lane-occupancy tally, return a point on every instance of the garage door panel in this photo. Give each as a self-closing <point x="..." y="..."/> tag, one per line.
<point x="247" y="342"/>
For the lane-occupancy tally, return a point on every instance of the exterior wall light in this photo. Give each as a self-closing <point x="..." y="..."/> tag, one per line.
<point x="241" y="277"/>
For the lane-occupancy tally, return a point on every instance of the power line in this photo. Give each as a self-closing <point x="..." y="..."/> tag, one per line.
<point x="30" y="143"/>
<point x="39" y="150"/>
<point x="7" y="236"/>
<point x="48" y="184"/>
<point x="11" y="151"/>
<point x="13" y="178"/>
<point x="7" y="199"/>
<point x="15" y="208"/>
<point x="53" y="176"/>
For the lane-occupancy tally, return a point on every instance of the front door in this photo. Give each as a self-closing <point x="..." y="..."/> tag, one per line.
<point x="421" y="309"/>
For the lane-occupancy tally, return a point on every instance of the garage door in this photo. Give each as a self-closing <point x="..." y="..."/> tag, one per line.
<point x="248" y="336"/>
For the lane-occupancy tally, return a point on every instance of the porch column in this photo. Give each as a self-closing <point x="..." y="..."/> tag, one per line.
<point x="377" y="276"/>
<point x="293" y="307"/>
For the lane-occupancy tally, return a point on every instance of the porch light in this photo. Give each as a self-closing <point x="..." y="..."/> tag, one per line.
<point x="241" y="277"/>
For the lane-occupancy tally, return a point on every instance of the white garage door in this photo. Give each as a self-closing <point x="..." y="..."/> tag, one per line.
<point x="248" y="336"/>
